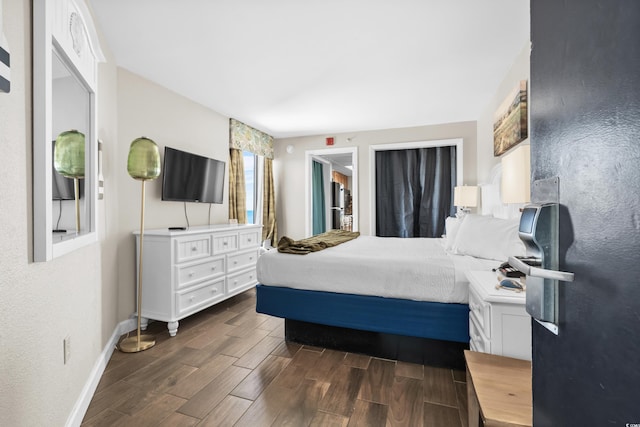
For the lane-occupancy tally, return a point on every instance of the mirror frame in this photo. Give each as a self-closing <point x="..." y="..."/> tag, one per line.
<point x="54" y="23"/>
<point x="309" y="156"/>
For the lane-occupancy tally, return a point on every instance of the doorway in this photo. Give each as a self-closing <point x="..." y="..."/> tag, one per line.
<point x="344" y="162"/>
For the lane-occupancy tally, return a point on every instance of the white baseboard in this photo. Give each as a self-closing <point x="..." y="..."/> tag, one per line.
<point x="82" y="404"/>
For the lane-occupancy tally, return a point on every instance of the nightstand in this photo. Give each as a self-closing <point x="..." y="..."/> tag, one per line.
<point x="498" y="320"/>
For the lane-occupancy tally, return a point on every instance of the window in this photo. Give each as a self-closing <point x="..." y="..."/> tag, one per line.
<point x="253" y="186"/>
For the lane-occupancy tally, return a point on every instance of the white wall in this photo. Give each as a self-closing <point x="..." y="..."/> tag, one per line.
<point x="147" y="109"/>
<point x="518" y="71"/>
<point x="43" y="302"/>
<point x="289" y="169"/>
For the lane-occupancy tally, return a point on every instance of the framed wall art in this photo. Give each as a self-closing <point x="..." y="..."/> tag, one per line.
<point x="510" y="122"/>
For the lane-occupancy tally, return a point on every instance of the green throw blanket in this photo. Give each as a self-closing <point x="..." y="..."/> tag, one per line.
<point x="315" y="243"/>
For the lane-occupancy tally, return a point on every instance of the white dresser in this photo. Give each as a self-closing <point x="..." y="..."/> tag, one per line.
<point x="189" y="270"/>
<point x="498" y="320"/>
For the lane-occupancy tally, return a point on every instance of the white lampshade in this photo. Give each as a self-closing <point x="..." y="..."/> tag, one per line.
<point x="516" y="175"/>
<point x="465" y="196"/>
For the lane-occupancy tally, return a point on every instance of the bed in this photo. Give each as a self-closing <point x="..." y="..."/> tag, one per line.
<point x="402" y="299"/>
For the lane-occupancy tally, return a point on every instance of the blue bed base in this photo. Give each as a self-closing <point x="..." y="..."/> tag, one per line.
<point x="440" y="321"/>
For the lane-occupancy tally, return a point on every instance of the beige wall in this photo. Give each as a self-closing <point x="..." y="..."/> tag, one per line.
<point x="147" y="109"/>
<point x="86" y="293"/>
<point x="289" y="169"/>
<point x="44" y="302"/>
<point x="108" y="207"/>
<point x="518" y="71"/>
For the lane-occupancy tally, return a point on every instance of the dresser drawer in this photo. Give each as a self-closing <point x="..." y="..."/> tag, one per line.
<point x="192" y="299"/>
<point x="190" y="248"/>
<point x="241" y="280"/>
<point x="478" y="341"/>
<point x="242" y="260"/>
<point x="225" y="243"/>
<point x="249" y="239"/>
<point x="481" y="311"/>
<point x="195" y="272"/>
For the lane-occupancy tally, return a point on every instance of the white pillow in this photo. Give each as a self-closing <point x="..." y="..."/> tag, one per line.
<point x="488" y="237"/>
<point x="451" y="226"/>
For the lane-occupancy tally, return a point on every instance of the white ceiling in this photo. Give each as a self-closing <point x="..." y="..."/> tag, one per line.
<point x="294" y="68"/>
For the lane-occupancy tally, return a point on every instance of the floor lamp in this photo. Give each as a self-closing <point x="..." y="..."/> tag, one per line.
<point x="143" y="164"/>
<point x="68" y="161"/>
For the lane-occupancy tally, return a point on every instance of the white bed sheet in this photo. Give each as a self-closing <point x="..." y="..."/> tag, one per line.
<point x="417" y="269"/>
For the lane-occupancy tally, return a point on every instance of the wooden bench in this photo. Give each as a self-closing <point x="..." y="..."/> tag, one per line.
<point x="498" y="390"/>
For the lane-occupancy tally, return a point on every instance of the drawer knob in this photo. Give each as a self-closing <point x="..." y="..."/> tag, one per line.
<point x="190" y="273"/>
<point x="190" y="299"/>
<point x="250" y="258"/>
<point x="235" y="262"/>
<point x="249" y="239"/>
<point x="213" y="268"/>
<point x="213" y="291"/>
<point x="225" y="243"/>
<point x="251" y="276"/>
<point x="193" y="248"/>
<point x="235" y="282"/>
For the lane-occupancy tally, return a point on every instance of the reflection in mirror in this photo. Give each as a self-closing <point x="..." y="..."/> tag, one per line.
<point x="66" y="53"/>
<point x="332" y="190"/>
<point x="68" y="161"/>
<point x="70" y="116"/>
<point x="63" y="196"/>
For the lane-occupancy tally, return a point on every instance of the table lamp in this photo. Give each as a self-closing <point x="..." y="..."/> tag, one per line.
<point x="465" y="197"/>
<point x="143" y="164"/>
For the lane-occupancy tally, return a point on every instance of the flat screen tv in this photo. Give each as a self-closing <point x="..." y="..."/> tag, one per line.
<point x="188" y="177"/>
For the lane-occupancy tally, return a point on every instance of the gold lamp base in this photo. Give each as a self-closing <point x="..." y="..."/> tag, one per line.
<point x="133" y="345"/>
<point x="143" y="164"/>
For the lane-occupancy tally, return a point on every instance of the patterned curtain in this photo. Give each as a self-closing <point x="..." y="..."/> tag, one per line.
<point x="237" y="193"/>
<point x="269" y="227"/>
<point x="245" y="138"/>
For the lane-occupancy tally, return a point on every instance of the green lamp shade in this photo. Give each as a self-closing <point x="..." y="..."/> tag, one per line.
<point x="144" y="159"/>
<point x="68" y="156"/>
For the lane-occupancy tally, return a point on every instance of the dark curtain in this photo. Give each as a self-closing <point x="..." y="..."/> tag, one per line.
<point x="318" y="205"/>
<point x="414" y="191"/>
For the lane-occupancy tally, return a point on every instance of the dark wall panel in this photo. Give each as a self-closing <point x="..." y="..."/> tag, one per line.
<point x="585" y="129"/>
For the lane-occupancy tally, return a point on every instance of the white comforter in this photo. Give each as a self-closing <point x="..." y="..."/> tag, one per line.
<point x="418" y="269"/>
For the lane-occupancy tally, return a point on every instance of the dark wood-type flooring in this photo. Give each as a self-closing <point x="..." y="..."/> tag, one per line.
<point x="230" y="366"/>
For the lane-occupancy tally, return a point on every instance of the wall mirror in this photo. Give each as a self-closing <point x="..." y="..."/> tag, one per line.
<point x="331" y="195"/>
<point x="65" y="57"/>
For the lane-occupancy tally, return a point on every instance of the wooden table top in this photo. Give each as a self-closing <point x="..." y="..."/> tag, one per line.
<point x="503" y="388"/>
